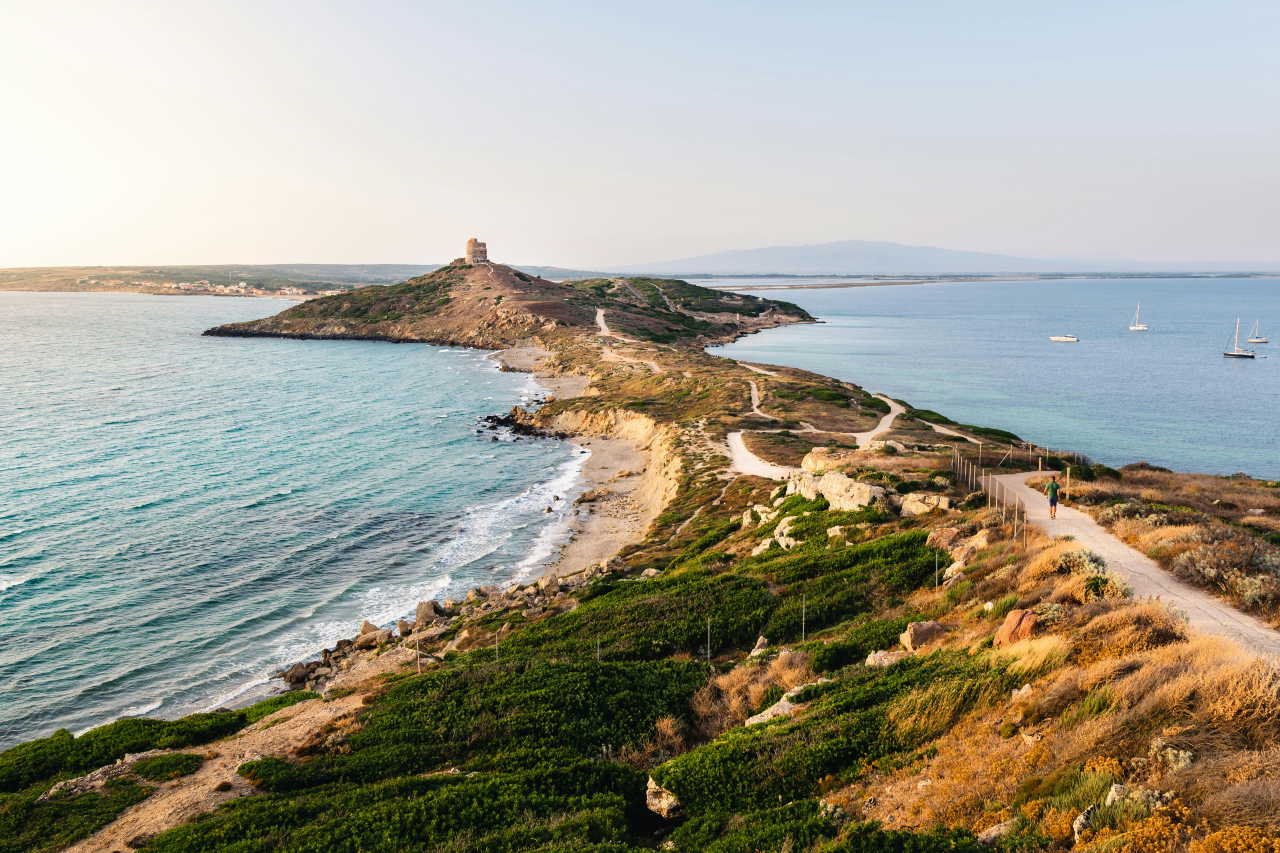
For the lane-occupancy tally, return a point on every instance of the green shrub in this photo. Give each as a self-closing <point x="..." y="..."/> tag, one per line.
<point x="161" y="767"/>
<point x="860" y="642"/>
<point x="28" y="825"/>
<point x="1002" y="607"/>
<point x="41" y="759"/>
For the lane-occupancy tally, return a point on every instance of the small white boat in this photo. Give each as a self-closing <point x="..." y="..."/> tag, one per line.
<point x="1064" y="339"/>
<point x="1136" y="325"/>
<point x="1254" y="336"/>
<point x="1235" y="351"/>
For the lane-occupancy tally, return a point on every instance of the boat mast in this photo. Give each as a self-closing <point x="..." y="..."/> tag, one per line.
<point x="1237" y="334"/>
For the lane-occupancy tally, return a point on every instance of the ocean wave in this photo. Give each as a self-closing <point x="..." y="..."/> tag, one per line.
<point x="139" y="710"/>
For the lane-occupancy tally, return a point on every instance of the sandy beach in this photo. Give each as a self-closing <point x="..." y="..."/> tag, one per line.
<point x="619" y="514"/>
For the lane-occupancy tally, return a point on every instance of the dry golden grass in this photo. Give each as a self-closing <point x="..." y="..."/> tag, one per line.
<point x="728" y="699"/>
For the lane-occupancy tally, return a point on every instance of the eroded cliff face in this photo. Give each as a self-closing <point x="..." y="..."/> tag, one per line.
<point x="661" y="479"/>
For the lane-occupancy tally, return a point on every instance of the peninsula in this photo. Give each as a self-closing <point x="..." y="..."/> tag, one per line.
<point x="818" y="625"/>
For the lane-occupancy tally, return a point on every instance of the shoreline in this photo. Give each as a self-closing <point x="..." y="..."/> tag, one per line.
<point x="619" y="511"/>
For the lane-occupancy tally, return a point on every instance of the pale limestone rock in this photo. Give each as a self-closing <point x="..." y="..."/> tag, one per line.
<point x="953" y="570"/>
<point x="662" y="802"/>
<point x="918" y="634"/>
<point x="988" y="837"/>
<point x="762" y="645"/>
<point x="943" y="537"/>
<point x="367" y="627"/>
<point x="762" y="547"/>
<point x="885" y="658"/>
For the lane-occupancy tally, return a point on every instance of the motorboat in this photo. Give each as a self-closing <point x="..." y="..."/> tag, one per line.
<point x="1064" y="339"/>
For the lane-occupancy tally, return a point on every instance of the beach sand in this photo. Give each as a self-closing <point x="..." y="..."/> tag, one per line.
<point x="600" y="527"/>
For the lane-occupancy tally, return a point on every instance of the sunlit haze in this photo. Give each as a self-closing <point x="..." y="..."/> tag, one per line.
<point x="594" y="134"/>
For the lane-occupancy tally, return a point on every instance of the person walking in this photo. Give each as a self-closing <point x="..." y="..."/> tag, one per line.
<point x="1052" y="491"/>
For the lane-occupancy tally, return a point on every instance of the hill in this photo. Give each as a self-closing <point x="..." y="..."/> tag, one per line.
<point x="492" y="305"/>
<point x="862" y="257"/>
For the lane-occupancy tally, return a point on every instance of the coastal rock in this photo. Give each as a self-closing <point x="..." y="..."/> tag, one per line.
<point x="367" y="627"/>
<point x="882" y="445"/>
<point x="916" y="504"/>
<point x="404" y="628"/>
<point x="762" y="646"/>
<point x="988" y="837"/>
<point x="296" y="674"/>
<point x="474" y="595"/>
<point x="650" y="573"/>
<point x="1117" y="793"/>
<point x="662" y="802"/>
<point x="762" y="547"/>
<point x="424" y="613"/>
<point x="918" y="634"/>
<point x="322" y="672"/>
<point x="549" y="584"/>
<point x="885" y="658"/>
<point x="983" y="539"/>
<point x="964" y="553"/>
<point x="435" y="632"/>
<point x="784" y="707"/>
<point x="833" y="532"/>
<point x="1018" y="625"/>
<point x="1081" y="823"/>
<point x="846" y="495"/>
<point x="943" y="537"/>
<point x="448" y="604"/>
<point x="781" y="533"/>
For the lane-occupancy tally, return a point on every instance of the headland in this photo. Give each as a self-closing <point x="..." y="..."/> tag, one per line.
<point x="878" y="652"/>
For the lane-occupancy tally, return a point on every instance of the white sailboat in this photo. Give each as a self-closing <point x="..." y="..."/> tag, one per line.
<point x="1137" y="326"/>
<point x="1064" y="339"/>
<point x="1254" y="336"/>
<point x="1235" y="351"/>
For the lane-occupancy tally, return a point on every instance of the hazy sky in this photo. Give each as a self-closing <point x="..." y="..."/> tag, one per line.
<point x="596" y="133"/>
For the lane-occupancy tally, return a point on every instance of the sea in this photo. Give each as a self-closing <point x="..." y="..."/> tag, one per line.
<point x="180" y="516"/>
<point x="979" y="353"/>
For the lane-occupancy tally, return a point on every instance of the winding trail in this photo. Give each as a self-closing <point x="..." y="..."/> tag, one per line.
<point x="755" y="401"/>
<point x="745" y="462"/>
<point x="886" y="423"/>
<point x="1204" y="611"/>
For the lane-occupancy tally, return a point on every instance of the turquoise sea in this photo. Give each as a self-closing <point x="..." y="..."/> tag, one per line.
<point x="183" y="514"/>
<point x="979" y="353"/>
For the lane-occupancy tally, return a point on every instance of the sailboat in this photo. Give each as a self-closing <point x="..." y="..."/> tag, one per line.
<point x="1136" y="326"/>
<point x="1235" y="351"/>
<point x="1254" y="337"/>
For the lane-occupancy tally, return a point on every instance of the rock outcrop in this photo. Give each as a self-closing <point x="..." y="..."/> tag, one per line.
<point x="662" y="802"/>
<point x="844" y="494"/>
<point x="919" y="633"/>
<point x="917" y="503"/>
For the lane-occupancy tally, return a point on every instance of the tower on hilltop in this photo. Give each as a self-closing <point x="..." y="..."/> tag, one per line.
<point x="477" y="252"/>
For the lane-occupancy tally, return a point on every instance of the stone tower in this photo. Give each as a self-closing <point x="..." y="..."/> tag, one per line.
<point x="477" y="252"/>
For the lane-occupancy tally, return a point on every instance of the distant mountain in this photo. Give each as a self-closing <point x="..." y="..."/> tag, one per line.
<point x="863" y="257"/>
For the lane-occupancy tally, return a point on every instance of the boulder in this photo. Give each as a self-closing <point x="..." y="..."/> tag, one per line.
<point x="784" y="707"/>
<point x="917" y="503"/>
<point x="549" y="584"/>
<point x="984" y="538"/>
<point x="425" y="612"/>
<point x="803" y="484"/>
<point x="964" y="553"/>
<point x="474" y="595"/>
<point x="919" y="633"/>
<point x="1081" y="823"/>
<point x="885" y="658"/>
<point x="881" y="445"/>
<point x="988" y="837"/>
<point x="404" y="627"/>
<point x="296" y="674"/>
<point x="943" y="537"/>
<point x="1117" y="793"/>
<point x="953" y="580"/>
<point x="1018" y="625"/>
<point x="448" y="604"/>
<point x="952" y="570"/>
<point x="762" y="645"/>
<point x="367" y="627"/>
<point x="662" y="802"/>
<point x="846" y="495"/>
<point x="650" y="573"/>
<point x="366" y="641"/>
<point x="762" y="547"/>
<point x="322" y="672"/>
<point x="833" y="532"/>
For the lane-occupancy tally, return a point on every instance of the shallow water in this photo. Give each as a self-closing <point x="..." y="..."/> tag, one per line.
<point x="979" y="352"/>
<point x="184" y="514"/>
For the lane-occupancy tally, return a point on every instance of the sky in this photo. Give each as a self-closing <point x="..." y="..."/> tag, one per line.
<point x="601" y="133"/>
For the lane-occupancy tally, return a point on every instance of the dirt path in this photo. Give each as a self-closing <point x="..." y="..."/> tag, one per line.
<point x="746" y="462"/>
<point x="610" y="355"/>
<point x="946" y="431"/>
<point x="757" y="369"/>
<point x="755" y="401"/>
<point x="886" y="423"/>
<point x="1204" y="610"/>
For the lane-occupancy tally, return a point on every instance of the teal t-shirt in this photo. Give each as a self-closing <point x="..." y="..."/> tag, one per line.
<point x="1052" y="491"/>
